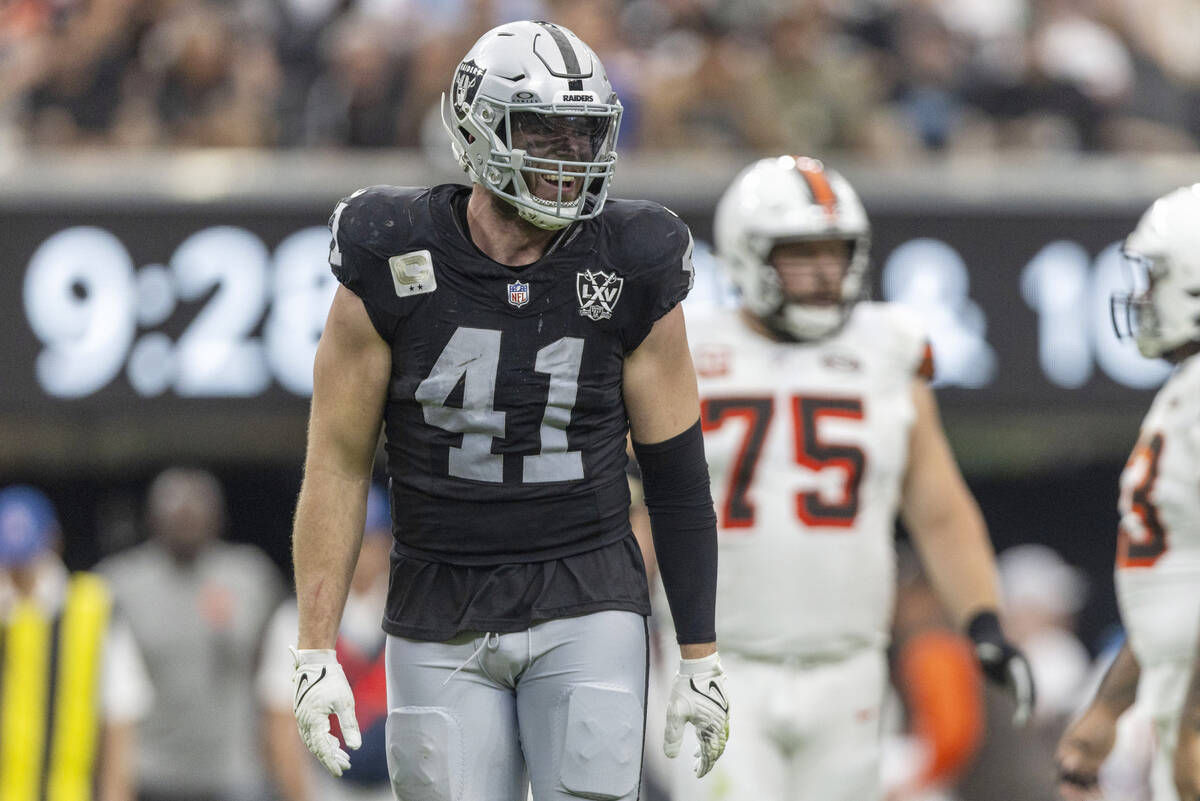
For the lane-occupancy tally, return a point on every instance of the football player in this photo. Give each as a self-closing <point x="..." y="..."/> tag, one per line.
<point x="508" y="334"/>
<point x="1158" y="539"/>
<point x="819" y="425"/>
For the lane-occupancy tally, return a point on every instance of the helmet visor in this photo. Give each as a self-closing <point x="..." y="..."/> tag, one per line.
<point x="812" y="271"/>
<point x="1132" y="310"/>
<point x="565" y="137"/>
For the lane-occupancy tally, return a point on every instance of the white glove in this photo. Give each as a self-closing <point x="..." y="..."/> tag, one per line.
<point x="319" y="690"/>
<point x="698" y="697"/>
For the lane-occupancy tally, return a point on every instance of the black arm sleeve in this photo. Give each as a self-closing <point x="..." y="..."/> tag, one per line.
<point x="675" y="479"/>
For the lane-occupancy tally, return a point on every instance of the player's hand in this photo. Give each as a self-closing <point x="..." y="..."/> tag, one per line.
<point x="698" y="697"/>
<point x="319" y="690"/>
<point x="1081" y="751"/>
<point x="1003" y="664"/>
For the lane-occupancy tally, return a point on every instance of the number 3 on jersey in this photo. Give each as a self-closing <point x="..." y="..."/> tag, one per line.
<point x="811" y="451"/>
<point x="472" y="356"/>
<point x="1141" y="536"/>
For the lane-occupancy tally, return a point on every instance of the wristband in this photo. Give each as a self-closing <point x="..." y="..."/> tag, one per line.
<point x="313" y="656"/>
<point x="985" y="627"/>
<point x="695" y="667"/>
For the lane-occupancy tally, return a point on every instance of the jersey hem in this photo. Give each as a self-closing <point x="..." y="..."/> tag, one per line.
<point x="509" y="625"/>
<point x="591" y="543"/>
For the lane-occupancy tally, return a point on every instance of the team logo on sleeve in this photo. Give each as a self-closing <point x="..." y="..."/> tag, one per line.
<point x="598" y="293"/>
<point x="518" y="294"/>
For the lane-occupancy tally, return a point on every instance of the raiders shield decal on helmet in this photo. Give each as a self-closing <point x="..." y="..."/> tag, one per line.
<point x="598" y="293"/>
<point x="466" y="84"/>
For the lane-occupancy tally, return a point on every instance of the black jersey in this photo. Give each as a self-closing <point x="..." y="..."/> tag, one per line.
<point x="505" y="420"/>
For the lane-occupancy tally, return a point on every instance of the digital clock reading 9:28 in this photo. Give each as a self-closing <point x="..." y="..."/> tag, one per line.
<point x="228" y="317"/>
<point x="97" y="315"/>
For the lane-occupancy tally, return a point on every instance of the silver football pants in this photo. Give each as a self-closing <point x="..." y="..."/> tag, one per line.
<point x="559" y="707"/>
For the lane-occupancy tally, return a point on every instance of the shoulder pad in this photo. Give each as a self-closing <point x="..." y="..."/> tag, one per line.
<point x="367" y="228"/>
<point x="652" y="247"/>
<point x="901" y="331"/>
<point x="645" y="233"/>
<point x="372" y="218"/>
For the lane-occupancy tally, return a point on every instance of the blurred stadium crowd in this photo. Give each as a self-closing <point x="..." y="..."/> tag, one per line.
<point x="881" y="78"/>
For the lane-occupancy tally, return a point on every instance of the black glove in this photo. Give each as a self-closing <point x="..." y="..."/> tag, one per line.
<point x="1003" y="664"/>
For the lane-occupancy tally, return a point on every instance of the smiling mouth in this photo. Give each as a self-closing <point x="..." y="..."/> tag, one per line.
<point x="546" y="188"/>
<point x="822" y="299"/>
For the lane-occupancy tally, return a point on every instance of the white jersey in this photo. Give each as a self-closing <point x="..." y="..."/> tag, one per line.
<point x="807" y="445"/>
<point x="1158" y="542"/>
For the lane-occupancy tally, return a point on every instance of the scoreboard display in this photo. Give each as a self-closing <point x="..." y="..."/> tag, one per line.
<point x="145" y="331"/>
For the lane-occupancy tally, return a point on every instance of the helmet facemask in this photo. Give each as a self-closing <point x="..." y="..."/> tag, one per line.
<point x="562" y="162"/>
<point x="1133" y="312"/>
<point x="1161" y="308"/>
<point x="552" y="161"/>
<point x="808" y="286"/>
<point x="1158" y="313"/>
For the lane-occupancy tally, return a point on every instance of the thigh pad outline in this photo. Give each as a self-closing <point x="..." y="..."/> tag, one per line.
<point x="424" y="754"/>
<point x="602" y="742"/>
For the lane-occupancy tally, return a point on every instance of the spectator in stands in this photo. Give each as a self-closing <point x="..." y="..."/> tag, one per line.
<point x="72" y="684"/>
<point x="928" y="94"/>
<point x="198" y="607"/>
<point x="220" y="86"/>
<point x="299" y="777"/>
<point x="1161" y="111"/>
<point x="879" y="77"/>
<point x="360" y="98"/>
<point x="822" y="87"/>
<point x="24" y="60"/>
<point x="87" y="48"/>
<point x="703" y="91"/>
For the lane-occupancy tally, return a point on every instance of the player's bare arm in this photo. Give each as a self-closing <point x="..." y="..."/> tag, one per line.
<point x="943" y="518"/>
<point x="350" y="377"/>
<point x="661" y="397"/>
<point x="349" y="385"/>
<point x="1089" y="739"/>
<point x="951" y="538"/>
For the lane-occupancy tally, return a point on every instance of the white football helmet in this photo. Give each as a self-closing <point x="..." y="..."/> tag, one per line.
<point x="1162" y="310"/>
<point x="790" y="199"/>
<point x="535" y="80"/>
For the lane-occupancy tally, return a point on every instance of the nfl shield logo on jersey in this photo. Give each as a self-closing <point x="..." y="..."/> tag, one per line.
<point x="518" y="294"/>
<point x="598" y="293"/>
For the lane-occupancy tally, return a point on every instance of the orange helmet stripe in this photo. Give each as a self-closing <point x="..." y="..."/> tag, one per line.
<point x="818" y="183"/>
